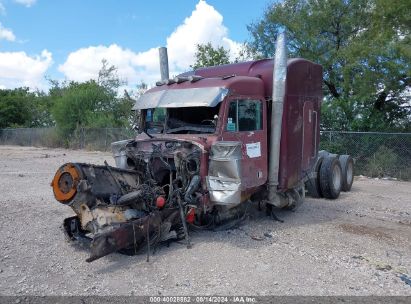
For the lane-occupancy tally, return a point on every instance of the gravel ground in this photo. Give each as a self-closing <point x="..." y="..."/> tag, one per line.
<point x="359" y="244"/>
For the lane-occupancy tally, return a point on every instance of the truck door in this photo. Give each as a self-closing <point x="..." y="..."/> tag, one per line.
<point x="245" y="121"/>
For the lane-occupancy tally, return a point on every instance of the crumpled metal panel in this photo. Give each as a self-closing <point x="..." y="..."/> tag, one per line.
<point x="224" y="180"/>
<point x="224" y="191"/>
<point x="226" y="150"/>
<point x="179" y="98"/>
<point x="225" y="159"/>
<point x="225" y="168"/>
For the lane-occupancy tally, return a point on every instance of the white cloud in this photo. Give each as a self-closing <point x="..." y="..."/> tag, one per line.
<point x="204" y="25"/>
<point x="85" y="63"/>
<point x="19" y="69"/>
<point x="26" y="3"/>
<point x="6" y="34"/>
<point x="2" y="9"/>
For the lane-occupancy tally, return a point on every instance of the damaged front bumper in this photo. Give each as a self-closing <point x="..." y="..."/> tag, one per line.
<point x="120" y="209"/>
<point x="160" y="187"/>
<point x="129" y="237"/>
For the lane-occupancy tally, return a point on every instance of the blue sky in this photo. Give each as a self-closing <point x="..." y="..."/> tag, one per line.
<point x="67" y="39"/>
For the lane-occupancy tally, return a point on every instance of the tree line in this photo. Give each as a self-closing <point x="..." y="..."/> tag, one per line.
<point x="364" y="47"/>
<point x="70" y="105"/>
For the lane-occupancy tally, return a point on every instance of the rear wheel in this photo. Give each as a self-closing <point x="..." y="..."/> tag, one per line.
<point x="330" y="177"/>
<point x="313" y="183"/>
<point x="347" y="166"/>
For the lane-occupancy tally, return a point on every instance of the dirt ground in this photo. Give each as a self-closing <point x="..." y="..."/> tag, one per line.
<point x="359" y="244"/>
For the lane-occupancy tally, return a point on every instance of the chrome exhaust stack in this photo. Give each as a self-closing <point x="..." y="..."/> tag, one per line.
<point x="162" y="51"/>
<point x="278" y="95"/>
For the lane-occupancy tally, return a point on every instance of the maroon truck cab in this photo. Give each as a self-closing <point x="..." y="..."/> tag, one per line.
<point x="302" y="104"/>
<point x="236" y="99"/>
<point x="208" y="141"/>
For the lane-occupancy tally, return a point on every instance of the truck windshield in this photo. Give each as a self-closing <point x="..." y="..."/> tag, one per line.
<point x="187" y="120"/>
<point x="155" y="120"/>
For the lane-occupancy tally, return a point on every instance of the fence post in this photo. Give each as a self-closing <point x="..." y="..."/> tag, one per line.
<point x="105" y="140"/>
<point x="31" y="136"/>
<point x="82" y="135"/>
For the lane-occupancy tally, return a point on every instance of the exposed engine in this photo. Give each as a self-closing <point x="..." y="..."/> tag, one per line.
<point x="149" y="200"/>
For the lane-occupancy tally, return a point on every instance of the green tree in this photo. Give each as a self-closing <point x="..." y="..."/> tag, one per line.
<point x="91" y="104"/>
<point x="41" y="104"/>
<point x="247" y="53"/>
<point x="136" y="114"/>
<point x="206" y="55"/>
<point x="15" y="108"/>
<point x="21" y="108"/>
<point x="108" y="78"/>
<point x="364" y="48"/>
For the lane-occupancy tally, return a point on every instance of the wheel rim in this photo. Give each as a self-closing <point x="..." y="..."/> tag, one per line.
<point x="349" y="173"/>
<point x="336" y="177"/>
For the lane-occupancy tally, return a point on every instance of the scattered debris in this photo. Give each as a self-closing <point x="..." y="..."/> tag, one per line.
<point x="399" y="271"/>
<point x="257" y="238"/>
<point x="406" y="279"/>
<point x="266" y="234"/>
<point x="383" y="267"/>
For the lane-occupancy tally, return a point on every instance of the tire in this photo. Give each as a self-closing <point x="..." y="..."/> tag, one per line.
<point x="330" y="177"/>
<point x="347" y="166"/>
<point x="324" y="153"/>
<point x="313" y="183"/>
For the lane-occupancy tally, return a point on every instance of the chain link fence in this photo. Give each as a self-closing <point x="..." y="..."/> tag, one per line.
<point x="85" y="138"/>
<point x="376" y="154"/>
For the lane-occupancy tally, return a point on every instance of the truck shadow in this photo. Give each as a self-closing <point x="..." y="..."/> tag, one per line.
<point x="257" y="231"/>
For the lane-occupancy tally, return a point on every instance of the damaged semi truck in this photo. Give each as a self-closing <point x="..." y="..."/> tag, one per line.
<point x="209" y="141"/>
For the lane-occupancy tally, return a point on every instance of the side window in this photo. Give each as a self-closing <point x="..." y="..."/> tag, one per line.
<point x="244" y="115"/>
<point x="232" y="121"/>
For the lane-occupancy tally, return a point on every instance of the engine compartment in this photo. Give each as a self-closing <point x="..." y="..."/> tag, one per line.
<point x="151" y="198"/>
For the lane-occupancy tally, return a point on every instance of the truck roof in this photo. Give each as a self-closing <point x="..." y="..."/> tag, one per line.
<point x="297" y="68"/>
<point x="245" y="78"/>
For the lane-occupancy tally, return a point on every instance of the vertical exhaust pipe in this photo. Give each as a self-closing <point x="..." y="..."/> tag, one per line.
<point x="163" y="63"/>
<point x="279" y="83"/>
